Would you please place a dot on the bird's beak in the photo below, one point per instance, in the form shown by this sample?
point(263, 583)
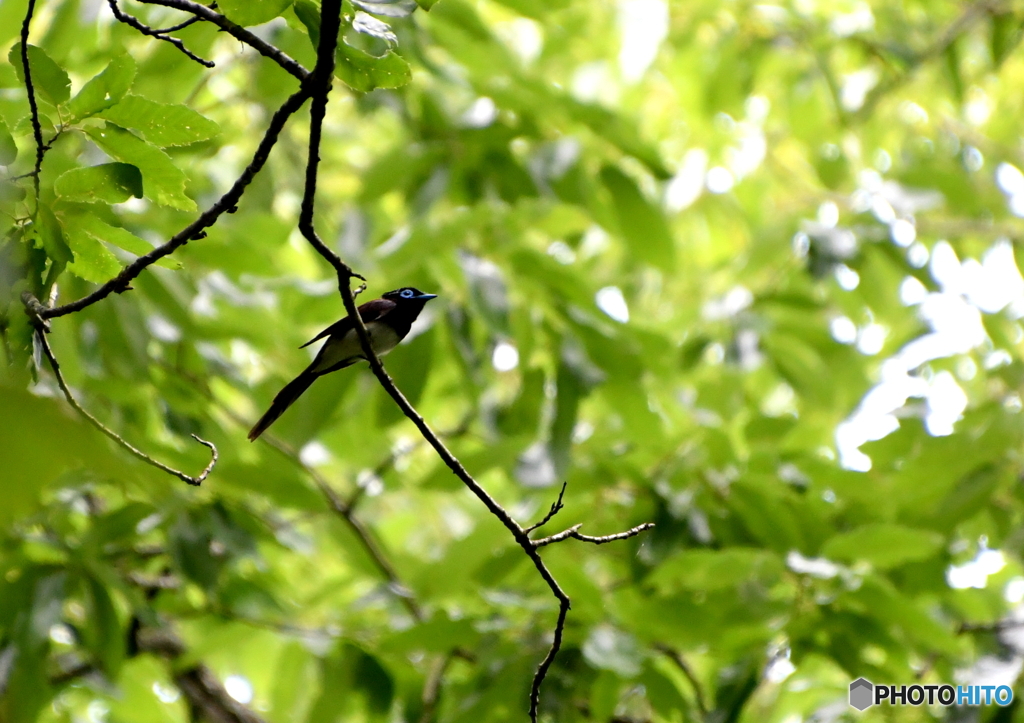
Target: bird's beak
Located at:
point(426, 297)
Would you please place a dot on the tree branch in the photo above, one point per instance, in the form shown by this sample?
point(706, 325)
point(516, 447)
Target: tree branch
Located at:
point(321, 82)
point(574, 533)
point(37, 129)
point(971, 14)
point(555, 507)
point(158, 34)
point(698, 691)
point(202, 12)
point(207, 698)
point(48, 352)
point(120, 283)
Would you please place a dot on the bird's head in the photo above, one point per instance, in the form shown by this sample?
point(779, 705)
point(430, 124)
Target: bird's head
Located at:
point(407, 294)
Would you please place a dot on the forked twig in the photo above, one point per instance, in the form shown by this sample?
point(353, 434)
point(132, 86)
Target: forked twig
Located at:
point(154, 33)
point(261, 46)
point(555, 507)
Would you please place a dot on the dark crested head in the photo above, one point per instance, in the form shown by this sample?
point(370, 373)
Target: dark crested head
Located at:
point(409, 293)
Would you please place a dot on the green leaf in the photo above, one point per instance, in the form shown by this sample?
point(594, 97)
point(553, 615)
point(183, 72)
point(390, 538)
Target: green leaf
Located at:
point(105, 90)
point(427, 4)
point(614, 128)
point(715, 569)
point(8, 149)
point(1005, 35)
point(308, 12)
point(437, 635)
point(34, 461)
point(93, 261)
point(109, 182)
point(253, 12)
point(883, 545)
point(51, 235)
point(608, 648)
point(374, 679)
point(364, 72)
point(12, 14)
point(120, 237)
point(48, 78)
point(641, 224)
point(105, 636)
point(163, 182)
point(161, 124)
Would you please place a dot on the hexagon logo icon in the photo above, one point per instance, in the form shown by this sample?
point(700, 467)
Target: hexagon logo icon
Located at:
point(861, 694)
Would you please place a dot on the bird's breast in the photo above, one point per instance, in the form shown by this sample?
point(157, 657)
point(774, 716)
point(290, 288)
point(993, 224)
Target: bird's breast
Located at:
point(341, 351)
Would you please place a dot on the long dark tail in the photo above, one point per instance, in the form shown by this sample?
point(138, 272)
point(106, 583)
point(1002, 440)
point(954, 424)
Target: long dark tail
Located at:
point(284, 399)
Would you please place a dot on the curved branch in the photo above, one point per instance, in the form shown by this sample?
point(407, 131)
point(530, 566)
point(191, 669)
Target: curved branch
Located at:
point(48, 352)
point(227, 202)
point(153, 33)
point(321, 81)
point(202, 12)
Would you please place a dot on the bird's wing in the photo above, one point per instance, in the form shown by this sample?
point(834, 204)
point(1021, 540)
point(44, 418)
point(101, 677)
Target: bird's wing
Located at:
point(370, 311)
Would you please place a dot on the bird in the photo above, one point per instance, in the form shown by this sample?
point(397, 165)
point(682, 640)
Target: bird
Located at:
point(387, 319)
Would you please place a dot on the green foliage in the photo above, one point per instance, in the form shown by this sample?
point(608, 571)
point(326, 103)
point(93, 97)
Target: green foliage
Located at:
point(695, 259)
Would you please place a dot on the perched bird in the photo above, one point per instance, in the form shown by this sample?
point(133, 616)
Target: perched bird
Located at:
point(388, 320)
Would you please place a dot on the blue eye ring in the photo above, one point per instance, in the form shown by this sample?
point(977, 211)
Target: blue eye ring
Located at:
point(407, 293)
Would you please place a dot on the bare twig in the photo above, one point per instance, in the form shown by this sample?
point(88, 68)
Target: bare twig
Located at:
point(182, 25)
point(574, 533)
point(261, 46)
point(48, 352)
point(154, 33)
point(555, 507)
point(37, 129)
point(121, 282)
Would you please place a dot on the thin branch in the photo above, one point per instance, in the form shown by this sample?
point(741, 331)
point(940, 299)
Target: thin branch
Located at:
point(345, 509)
point(370, 545)
point(555, 507)
point(182, 25)
point(392, 459)
point(574, 533)
point(971, 14)
point(432, 688)
point(158, 34)
point(322, 81)
point(48, 352)
point(204, 692)
point(37, 129)
point(121, 282)
point(698, 690)
point(237, 31)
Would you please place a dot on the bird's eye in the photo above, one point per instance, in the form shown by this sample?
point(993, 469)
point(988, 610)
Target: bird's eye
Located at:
point(406, 293)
